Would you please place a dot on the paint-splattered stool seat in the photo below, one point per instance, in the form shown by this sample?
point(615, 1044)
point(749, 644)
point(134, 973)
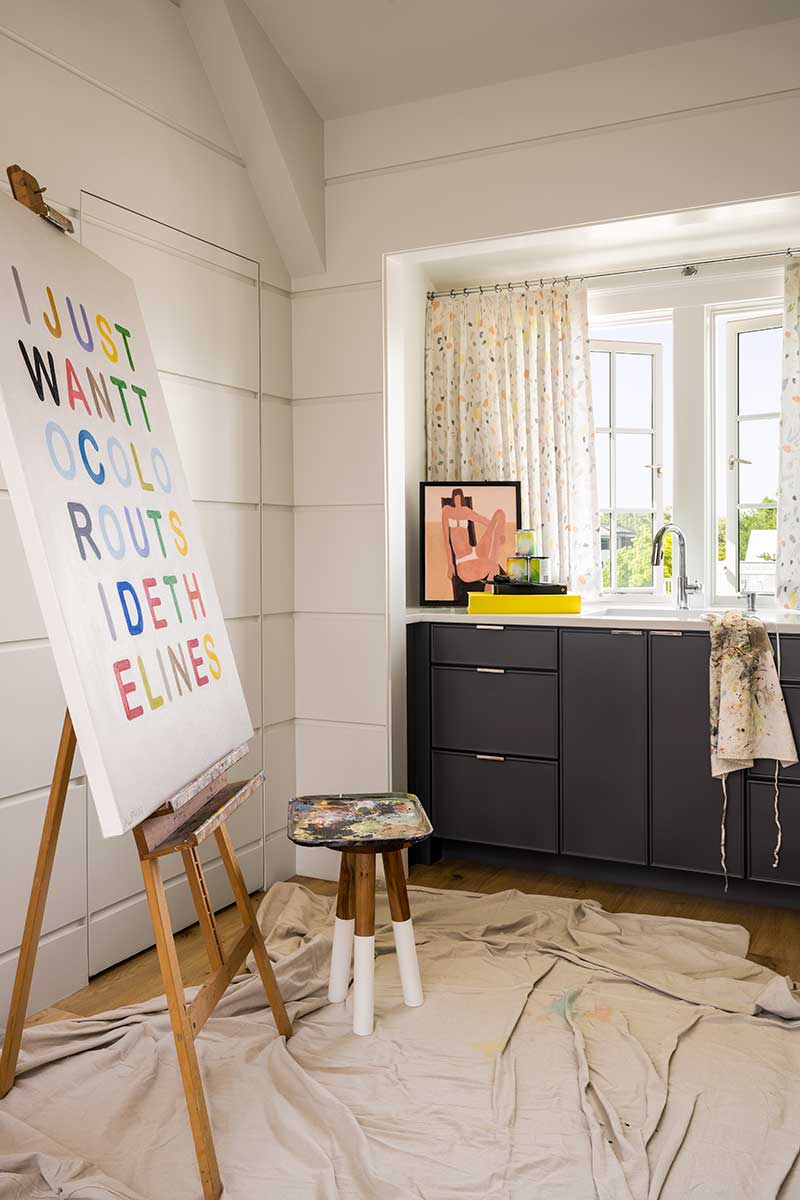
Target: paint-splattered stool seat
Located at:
point(361, 827)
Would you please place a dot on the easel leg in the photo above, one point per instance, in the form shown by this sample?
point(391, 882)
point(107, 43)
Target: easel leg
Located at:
point(36, 906)
point(203, 906)
point(248, 915)
point(181, 1027)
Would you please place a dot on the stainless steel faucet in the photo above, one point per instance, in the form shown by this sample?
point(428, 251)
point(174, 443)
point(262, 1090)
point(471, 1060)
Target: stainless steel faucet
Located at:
point(683, 585)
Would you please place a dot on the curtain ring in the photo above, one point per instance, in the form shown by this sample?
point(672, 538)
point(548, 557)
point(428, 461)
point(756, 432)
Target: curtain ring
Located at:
point(497, 287)
point(453, 293)
point(541, 283)
point(480, 288)
point(526, 285)
point(511, 287)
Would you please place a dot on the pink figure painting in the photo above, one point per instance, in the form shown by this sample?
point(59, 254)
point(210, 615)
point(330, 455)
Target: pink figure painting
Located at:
point(468, 533)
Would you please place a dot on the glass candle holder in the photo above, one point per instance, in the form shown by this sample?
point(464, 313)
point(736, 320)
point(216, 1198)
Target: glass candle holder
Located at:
point(525, 543)
point(517, 568)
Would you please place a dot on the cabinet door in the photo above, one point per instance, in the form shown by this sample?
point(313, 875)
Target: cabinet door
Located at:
point(685, 801)
point(604, 744)
point(762, 833)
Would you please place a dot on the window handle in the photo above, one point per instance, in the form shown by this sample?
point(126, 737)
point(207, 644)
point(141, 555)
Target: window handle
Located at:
point(657, 467)
point(733, 460)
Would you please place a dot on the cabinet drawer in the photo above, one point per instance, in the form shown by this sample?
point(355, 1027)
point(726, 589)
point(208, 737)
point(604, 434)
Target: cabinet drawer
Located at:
point(790, 656)
point(509, 802)
point(766, 766)
point(495, 711)
point(762, 833)
point(495, 646)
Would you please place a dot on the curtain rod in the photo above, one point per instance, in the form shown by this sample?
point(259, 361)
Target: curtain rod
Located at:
point(684, 268)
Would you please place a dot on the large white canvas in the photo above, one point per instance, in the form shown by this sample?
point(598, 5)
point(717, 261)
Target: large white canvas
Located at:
point(155, 696)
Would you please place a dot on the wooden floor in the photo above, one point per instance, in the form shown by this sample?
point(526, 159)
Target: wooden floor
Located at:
point(775, 932)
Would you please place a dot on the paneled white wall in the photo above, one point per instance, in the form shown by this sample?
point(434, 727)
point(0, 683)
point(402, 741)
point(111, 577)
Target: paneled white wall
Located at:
point(340, 573)
point(156, 143)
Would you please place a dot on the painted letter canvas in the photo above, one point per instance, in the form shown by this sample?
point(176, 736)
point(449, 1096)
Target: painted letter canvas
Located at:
point(109, 529)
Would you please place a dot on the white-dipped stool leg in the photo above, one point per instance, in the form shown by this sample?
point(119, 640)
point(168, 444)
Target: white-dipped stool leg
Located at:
point(364, 945)
point(407, 963)
point(403, 929)
point(364, 985)
point(341, 958)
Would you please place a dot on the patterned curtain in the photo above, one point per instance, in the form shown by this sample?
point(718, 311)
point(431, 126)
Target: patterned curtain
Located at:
point(508, 396)
point(787, 569)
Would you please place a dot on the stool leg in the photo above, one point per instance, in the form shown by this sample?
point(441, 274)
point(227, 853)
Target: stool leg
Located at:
point(364, 946)
point(342, 954)
point(403, 928)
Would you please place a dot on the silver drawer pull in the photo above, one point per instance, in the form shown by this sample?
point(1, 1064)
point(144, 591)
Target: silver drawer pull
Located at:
point(491, 670)
point(666, 633)
point(627, 632)
point(500, 627)
point(490, 757)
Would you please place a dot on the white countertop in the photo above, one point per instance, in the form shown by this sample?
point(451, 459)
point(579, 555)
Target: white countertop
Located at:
point(607, 615)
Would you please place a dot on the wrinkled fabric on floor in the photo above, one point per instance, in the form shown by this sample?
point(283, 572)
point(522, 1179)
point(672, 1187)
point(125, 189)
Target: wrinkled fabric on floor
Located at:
point(563, 1053)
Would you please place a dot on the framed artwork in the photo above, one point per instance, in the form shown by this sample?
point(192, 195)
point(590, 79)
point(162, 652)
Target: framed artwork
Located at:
point(466, 534)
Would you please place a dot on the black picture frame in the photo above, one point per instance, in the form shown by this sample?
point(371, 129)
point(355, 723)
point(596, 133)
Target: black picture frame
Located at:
point(461, 596)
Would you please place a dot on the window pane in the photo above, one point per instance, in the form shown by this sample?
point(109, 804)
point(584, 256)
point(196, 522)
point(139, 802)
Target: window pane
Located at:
point(760, 371)
point(604, 470)
point(758, 479)
point(634, 546)
point(605, 547)
point(633, 398)
point(632, 477)
point(601, 387)
point(758, 541)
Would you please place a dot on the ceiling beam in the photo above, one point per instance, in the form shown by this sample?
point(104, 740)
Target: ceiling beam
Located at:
point(276, 128)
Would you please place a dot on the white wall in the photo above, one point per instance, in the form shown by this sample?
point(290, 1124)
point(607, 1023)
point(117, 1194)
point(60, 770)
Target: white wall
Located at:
point(151, 138)
point(704, 124)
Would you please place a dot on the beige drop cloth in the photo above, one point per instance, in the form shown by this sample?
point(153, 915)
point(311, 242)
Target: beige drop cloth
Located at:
point(563, 1053)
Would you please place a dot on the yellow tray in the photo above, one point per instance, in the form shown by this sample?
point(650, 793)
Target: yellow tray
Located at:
point(482, 603)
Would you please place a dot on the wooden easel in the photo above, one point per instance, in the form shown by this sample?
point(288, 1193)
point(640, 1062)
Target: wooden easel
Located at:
point(181, 824)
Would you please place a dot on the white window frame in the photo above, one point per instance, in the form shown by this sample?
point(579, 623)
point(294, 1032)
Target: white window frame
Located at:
point(655, 349)
point(730, 458)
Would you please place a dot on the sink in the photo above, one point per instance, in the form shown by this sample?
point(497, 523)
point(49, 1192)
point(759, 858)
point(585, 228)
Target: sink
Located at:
point(662, 612)
point(652, 610)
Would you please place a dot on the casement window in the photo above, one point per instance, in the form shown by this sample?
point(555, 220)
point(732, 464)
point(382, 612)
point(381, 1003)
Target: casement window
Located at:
point(627, 386)
point(747, 386)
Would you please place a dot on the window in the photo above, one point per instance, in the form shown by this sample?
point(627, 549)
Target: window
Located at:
point(627, 398)
point(748, 394)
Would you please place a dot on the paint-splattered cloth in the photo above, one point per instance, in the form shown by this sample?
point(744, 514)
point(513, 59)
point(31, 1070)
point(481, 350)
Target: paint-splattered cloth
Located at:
point(562, 1053)
point(748, 717)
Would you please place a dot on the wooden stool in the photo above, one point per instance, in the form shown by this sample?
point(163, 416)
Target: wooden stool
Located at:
point(361, 827)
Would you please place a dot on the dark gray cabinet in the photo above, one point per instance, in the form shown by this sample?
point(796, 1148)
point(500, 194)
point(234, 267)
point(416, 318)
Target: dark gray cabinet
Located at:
point(604, 744)
point(593, 744)
point(685, 801)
